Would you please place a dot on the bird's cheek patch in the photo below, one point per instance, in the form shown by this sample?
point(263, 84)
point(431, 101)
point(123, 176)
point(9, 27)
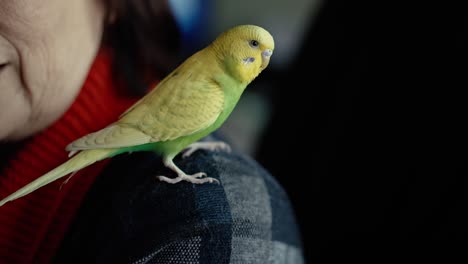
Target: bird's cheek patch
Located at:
point(248, 60)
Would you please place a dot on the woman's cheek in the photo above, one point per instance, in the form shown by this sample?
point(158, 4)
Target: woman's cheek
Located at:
point(15, 107)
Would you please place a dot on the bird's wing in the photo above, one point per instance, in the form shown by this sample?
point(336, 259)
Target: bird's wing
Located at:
point(181, 106)
point(113, 136)
point(185, 104)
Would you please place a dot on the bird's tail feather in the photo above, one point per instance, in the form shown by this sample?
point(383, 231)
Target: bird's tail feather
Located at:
point(79, 161)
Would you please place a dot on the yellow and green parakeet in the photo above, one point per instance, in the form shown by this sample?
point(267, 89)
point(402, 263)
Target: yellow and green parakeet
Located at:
point(190, 103)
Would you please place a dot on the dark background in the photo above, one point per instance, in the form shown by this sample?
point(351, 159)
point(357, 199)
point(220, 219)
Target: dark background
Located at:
point(362, 119)
point(368, 133)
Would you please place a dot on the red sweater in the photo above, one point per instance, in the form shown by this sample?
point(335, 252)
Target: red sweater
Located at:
point(32, 227)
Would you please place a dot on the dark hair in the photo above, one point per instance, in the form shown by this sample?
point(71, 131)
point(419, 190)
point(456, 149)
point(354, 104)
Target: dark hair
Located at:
point(144, 40)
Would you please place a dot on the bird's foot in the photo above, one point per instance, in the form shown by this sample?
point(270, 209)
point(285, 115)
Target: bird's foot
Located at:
point(212, 146)
point(196, 178)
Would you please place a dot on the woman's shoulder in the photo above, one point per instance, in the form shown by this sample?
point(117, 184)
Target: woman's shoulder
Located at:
point(130, 216)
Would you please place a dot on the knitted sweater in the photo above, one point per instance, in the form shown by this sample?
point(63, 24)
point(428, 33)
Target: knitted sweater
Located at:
point(32, 227)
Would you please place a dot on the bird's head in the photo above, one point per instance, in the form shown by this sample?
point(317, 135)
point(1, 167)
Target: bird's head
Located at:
point(245, 51)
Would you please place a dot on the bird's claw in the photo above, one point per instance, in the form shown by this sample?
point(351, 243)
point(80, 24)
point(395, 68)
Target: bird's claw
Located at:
point(197, 178)
point(188, 152)
point(223, 147)
point(212, 146)
point(198, 175)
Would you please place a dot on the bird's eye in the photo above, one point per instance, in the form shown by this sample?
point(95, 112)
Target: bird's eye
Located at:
point(254, 43)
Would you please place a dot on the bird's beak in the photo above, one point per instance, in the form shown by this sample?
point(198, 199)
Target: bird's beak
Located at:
point(266, 54)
